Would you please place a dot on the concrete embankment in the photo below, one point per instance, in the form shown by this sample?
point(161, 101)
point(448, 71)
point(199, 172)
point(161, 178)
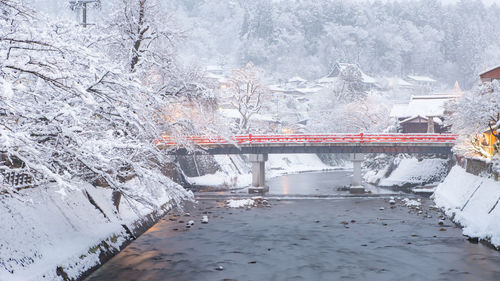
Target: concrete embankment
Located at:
point(55, 233)
point(473, 202)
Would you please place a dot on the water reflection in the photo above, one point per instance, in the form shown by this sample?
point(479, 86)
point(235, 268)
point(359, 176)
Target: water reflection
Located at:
point(285, 185)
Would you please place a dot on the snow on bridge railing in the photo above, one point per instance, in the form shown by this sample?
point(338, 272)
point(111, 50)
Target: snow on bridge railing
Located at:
point(314, 138)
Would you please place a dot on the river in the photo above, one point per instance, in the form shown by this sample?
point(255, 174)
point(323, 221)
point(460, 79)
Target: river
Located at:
point(308, 236)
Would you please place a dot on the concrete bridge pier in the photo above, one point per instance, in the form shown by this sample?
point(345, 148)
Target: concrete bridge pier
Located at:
point(258, 173)
point(357, 159)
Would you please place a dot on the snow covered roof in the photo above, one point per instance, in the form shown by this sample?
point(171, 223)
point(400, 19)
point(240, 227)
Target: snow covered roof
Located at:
point(413, 118)
point(217, 77)
point(327, 80)
point(399, 110)
point(422, 106)
point(368, 79)
point(435, 119)
point(297, 79)
point(489, 70)
point(309, 90)
point(396, 81)
point(233, 113)
point(276, 88)
point(435, 97)
point(421, 78)
point(214, 68)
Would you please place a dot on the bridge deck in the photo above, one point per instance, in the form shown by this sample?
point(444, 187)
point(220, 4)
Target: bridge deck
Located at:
point(317, 143)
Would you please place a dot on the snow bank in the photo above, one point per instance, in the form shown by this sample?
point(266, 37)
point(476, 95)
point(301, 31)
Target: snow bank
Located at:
point(235, 172)
point(413, 172)
point(69, 229)
point(280, 164)
point(473, 202)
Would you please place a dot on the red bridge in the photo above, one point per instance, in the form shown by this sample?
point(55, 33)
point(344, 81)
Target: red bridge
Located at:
point(259, 146)
point(314, 143)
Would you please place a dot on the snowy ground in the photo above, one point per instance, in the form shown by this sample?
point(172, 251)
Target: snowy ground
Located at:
point(235, 173)
point(412, 172)
point(61, 228)
point(473, 202)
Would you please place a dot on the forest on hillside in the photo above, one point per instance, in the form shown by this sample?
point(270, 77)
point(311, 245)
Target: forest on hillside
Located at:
point(448, 42)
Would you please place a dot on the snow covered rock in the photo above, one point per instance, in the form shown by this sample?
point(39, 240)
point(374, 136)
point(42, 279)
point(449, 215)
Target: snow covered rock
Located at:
point(239, 203)
point(412, 203)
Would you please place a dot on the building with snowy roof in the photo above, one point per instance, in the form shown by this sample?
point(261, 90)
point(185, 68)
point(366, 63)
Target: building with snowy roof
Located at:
point(367, 81)
point(490, 75)
point(423, 114)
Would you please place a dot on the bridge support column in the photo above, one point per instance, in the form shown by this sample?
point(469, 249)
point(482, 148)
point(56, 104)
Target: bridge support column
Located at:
point(258, 173)
point(357, 159)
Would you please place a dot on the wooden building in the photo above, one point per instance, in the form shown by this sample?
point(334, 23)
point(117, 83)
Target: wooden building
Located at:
point(490, 75)
point(423, 114)
point(421, 124)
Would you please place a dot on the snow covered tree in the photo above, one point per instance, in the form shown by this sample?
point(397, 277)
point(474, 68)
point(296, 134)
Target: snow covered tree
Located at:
point(369, 115)
point(349, 86)
point(247, 95)
point(71, 114)
point(146, 37)
point(472, 114)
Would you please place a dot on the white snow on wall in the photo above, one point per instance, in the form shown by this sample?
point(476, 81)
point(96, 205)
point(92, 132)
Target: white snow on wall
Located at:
point(473, 202)
point(57, 227)
point(412, 171)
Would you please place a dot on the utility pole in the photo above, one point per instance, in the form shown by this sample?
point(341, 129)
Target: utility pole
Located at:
point(83, 4)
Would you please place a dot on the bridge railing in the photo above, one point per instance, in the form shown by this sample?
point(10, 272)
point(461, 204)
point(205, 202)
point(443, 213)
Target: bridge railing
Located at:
point(314, 138)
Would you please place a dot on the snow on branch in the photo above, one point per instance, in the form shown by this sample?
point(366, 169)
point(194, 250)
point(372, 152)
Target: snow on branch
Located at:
point(71, 111)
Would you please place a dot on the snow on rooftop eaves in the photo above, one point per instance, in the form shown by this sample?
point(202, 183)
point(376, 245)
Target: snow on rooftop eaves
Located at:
point(367, 79)
point(434, 97)
point(421, 105)
point(214, 68)
point(297, 79)
point(413, 117)
point(399, 110)
point(396, 81)
point(218, 77)
point(421, 78)
point(489, 70)
point(275, 88)
point(309, 90)
point(234, 113)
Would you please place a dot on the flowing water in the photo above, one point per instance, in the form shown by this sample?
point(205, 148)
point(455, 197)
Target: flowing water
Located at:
point(305, 238)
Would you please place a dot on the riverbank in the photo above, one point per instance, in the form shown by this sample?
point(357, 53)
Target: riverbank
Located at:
point(235, 173)
point(472, 202)
point(61, 234)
